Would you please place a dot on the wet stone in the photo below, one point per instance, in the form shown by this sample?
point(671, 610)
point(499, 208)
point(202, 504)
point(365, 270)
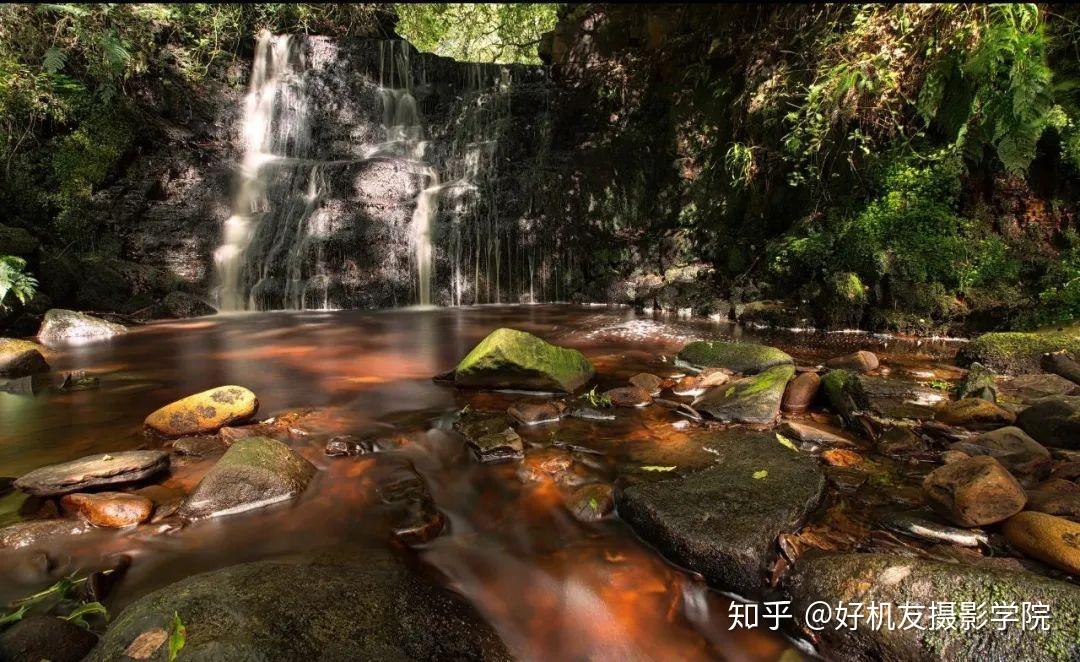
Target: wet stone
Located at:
point(974, 491)
point(814, 434)
point(801, 392)
point(205, 412)
point(629, 396)
point(512, 359)
point(650, 383)
point(1029, 388)
point(499, 446)
point(753, 399)
point(198, 446)
point(591, 503)
point(536, 413)
point(349, 445)
point(860, 361)
point(978, 383)
point(1021, 454)
point(93, 471)
point(19, 358)
point(591, 414)
point(901, 441)
point(544, 463)
point(41, 532)
point(166, 500)
point(744, 358)
point(109, 509)
point(1052, 540)
point(975, 413)
point(64, 326)
point(1061, 504)
point(40, 637)
point(1053, 421)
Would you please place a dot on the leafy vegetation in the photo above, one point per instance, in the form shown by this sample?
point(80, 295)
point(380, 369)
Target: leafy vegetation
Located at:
point(493, 32)
point(66, 599)
point(14, 281)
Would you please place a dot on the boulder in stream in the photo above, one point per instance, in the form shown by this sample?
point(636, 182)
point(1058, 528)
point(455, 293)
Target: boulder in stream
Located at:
point(1053, 540)
point(40, 532)
point(64, 326)
point(860, 361)
point(978, 383)
point(1012, 447)
point(648, 381)
point(1053, 421)
point(254, 472)
point(345, 604)
point(885, 579)
point(974, 491)
point(629, 396)
point(754, 399)
point(93, 471)
point(512, 359)
point(205, 412)
point(109, 509)
point(41, 637)
point(723, 521)
point(975, 413)
point(743, 357)
point(801, 392)
point(19, 358)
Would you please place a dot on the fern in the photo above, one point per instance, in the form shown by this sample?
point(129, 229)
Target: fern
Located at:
point(15, 281)
point(54, 60)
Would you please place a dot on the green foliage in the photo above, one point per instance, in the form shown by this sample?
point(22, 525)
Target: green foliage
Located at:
point(494, 32)
point(597, 400)
point(177, 636)
point(15, 281)
point(66, 599)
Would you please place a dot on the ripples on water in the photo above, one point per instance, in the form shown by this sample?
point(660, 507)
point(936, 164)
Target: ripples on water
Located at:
point(553, 587)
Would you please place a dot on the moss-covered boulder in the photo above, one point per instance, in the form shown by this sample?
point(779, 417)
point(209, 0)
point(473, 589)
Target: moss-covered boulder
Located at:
point(204, 412)
point(512, 359)
point(254, 472)
point(723, 521)
point(845, 393)
point(897, 580)
point(348, 604)
point(1018, 352)
point(747, 358)
point(978, 383)
point(19, 358)
point(754, 399)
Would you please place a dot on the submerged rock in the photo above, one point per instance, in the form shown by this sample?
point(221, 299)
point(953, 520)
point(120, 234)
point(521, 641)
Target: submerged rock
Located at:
point(109, 509)
point(974, 491)
point(535, 413)
point(723, 521)
point(205, 412)
point(19, 358)
point(801, 392)
point(254, 472)
point(1053, 540)
point(198, 446)
point(860, 361)
point(349, 604)
point(753, 399)
point(629, 396)
point(498, 446)
point(62, 326)
point(591, 503)
point(93, 471)
point(511, 359)
point(1053, 421)
point(814, 434)
point(975, 413)
point(742, 357)
point(897, 580)
point(649, 382)
point(900, 441)
point(40, 637)
point(31, 534)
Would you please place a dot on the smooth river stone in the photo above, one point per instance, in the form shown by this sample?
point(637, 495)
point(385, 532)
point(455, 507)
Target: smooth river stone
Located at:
point(975, 413)
point(93, 471)
point(860, 361)
point(651, 383)
point(109, 509)
point(29, 534)
point(254, 472)
point(629, 396)
point(19, 358)
point(205, 412)
point(63, 326)
point(974, 491)
point(1052, 540)
point(800, 392)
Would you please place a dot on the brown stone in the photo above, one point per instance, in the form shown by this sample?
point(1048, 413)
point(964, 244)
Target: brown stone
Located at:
point(591, 503)
point(948, 457)
point(1062, 504)
point(205, 412)
point(19, 358)
point(109, 509)
point(1021, 454)
point(839, 457)
point(860, 361)
point(975, 413)
point(974, 492)
point(535, 413)
point(900, 441)
point(650, 383)
point(1053, 540)
point(800, 392)
point(93, 471)
point(629, 396)
point(817, 433)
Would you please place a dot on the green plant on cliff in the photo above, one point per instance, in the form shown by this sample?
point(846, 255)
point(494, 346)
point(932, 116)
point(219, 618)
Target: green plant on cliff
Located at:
point(15, 283)
point(493, 32)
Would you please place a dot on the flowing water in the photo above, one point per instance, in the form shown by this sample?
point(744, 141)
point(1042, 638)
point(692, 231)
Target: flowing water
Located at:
point(553, 587)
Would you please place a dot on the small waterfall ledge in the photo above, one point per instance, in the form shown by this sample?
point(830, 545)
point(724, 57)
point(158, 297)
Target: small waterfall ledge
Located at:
point(373, 175)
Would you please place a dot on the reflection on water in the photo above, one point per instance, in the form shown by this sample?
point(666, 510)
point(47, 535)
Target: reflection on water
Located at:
point(553, 587)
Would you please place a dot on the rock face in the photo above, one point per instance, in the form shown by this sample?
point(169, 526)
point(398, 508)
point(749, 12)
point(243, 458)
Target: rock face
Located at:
point(1053, 421)
point(896, 580)
point(723, 521)
point(109, 509)
point(511, 359)
point(93, 471)
point(860, 361)
point(974, 491)
point(753, 399)
point(801, 392)
point(41, 637)
point(63, 326)
point(179, 305)
point(204, 412)
point(975, 413)
point(254, 472)
point(743, 357)
point(342, 605)
point(19, 358)
point(1052, 540)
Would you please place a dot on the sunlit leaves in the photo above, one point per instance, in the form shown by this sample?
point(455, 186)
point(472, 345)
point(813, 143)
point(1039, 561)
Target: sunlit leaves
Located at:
point(490, 32)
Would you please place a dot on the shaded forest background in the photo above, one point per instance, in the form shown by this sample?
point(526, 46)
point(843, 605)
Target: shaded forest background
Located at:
point(907, 167)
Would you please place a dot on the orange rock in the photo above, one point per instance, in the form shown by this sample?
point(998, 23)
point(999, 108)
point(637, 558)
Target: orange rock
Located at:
point(109, 509)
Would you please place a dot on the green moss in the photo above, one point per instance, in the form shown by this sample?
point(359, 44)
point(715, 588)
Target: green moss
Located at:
point(1018, 352)
point(746, 358)
point(844, 392)
point(508, 358)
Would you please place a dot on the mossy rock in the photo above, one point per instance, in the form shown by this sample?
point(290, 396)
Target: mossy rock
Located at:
point(747, 358)
point(512, 359)
point(978, 383)
point(896, 580)
point(845, 393)
point(1018, 352)
point(754, 399)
